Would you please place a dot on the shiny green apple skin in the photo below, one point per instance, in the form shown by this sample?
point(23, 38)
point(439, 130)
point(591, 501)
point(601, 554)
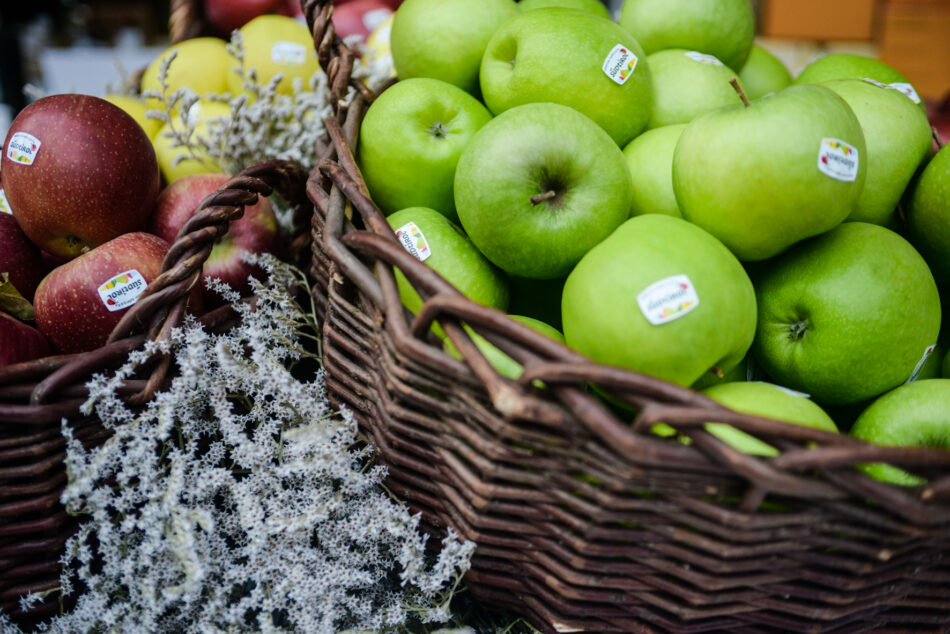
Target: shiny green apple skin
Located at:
point(851, 66)
point(684, 88)
point(603, 320)
point(650, 160)
point(445, 39)
point(410, 142)
point(928, 214)
point(763, 73)
point(591, 6)
point(847, 315)
point(913, 415)
point(897, 136)
point(750, 175)
point(528, 151)
point(724, 28)
point(454, 257)
point(557, 55)
point(768, 401)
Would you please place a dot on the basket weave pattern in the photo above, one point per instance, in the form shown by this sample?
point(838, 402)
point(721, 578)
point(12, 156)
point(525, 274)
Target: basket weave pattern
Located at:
point(584, 521)
point(36, 396)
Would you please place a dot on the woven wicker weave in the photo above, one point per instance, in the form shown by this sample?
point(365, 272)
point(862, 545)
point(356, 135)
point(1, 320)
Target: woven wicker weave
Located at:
point(36, 396)
point(585, 522)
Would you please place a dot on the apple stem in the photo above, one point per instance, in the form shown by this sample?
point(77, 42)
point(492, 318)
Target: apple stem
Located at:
point(936, 136)
point(735, 85)
point(540, 198)
point(718, 372)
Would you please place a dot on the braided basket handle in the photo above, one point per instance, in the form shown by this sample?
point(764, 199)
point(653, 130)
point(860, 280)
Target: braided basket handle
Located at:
point(161, 308)
point(184, 20)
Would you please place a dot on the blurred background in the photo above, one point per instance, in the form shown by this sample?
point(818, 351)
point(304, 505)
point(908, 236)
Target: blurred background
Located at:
point(96, 46)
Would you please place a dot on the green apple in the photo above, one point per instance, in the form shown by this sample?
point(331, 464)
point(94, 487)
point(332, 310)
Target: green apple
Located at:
point(687, 84)
point(847, 315)
point(851, 66)
point(768, 401)
point(897, 136)
point(573, 58)
point(662, 297)
point(445, 39)
point(650, 160)
point(913, 415)
point(503, 364)
point(431, 238)
point(928, 214)
point(410, 142)
point(723, 28)
point(591, 6)
point(763, 73)
point(540, 185)
point(717, 377)
point(763, 177)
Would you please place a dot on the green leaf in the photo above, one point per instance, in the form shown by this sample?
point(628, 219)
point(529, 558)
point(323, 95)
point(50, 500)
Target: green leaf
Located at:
point(12, 302)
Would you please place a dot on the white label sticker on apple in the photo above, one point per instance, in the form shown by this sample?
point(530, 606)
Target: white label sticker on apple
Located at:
point(23, 148)
point(703, 58)
point(123, 290)
point(920, 364)
point(668, 299)
point(907, 89)
point(412, 240)
point(620, 64)
point(288, 53)
point(4, 205)
point(372, 19)
point(880, 84)
point(838, 159)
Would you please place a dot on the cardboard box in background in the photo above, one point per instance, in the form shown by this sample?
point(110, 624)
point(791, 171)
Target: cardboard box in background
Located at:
point(915, 39)
point(820, 20)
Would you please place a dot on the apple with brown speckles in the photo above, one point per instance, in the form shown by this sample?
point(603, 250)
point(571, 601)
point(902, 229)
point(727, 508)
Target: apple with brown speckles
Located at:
point(79, 303)
point(78, 171)
point(19, 257)
point(256, 231)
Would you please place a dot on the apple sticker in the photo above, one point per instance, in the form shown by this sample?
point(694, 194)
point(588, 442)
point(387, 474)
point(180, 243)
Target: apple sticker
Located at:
point(413, 241)
point(668, 299)
point(620, 64)
point(4, 205)
point(123, 290)
point(838, 159)
point(23, 148)
point(703, 58)
point(288, 53)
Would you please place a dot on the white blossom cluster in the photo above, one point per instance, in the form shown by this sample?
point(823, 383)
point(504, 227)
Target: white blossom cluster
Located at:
point(236, 500)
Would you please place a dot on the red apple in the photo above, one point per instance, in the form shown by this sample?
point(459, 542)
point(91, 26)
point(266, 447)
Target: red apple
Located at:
point(359, 17)
point(19, 257)
point(78, 172)
point(19, 342)
point(79, 303)
point(226, 15)
point(256, 231)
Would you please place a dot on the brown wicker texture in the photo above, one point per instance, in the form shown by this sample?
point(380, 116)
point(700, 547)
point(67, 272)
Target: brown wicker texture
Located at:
point(185, 20)
point(36, 396)
point(584, 521)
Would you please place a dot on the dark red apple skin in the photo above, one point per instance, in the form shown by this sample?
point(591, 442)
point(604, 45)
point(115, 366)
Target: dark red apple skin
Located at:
point(20, 342)
point(256, 231)
point(226, 15)
point(68, 308)
point(348, 17)
point(19, 257)
point(94, 176)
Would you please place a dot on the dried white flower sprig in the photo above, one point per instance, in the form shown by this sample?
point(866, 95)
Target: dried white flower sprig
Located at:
point(238, 501)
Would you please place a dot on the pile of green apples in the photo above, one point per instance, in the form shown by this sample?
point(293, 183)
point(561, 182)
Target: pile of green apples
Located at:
point(662, 190)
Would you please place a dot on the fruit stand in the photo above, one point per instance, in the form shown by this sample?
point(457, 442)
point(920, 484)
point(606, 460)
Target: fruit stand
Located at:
point(742, 426)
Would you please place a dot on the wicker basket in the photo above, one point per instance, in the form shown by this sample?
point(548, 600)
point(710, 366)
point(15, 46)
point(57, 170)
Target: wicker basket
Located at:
point(36, 396)
point(583, 521)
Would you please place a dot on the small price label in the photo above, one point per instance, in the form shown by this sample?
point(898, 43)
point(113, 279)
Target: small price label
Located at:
point(288, 53)
point(929, 350)
point(620, 64)
point(4, 205)
point(23, 148)
point(703, 58)
point(413, 241)
point(838, 159)
point(123, 290)
point(668, 300)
